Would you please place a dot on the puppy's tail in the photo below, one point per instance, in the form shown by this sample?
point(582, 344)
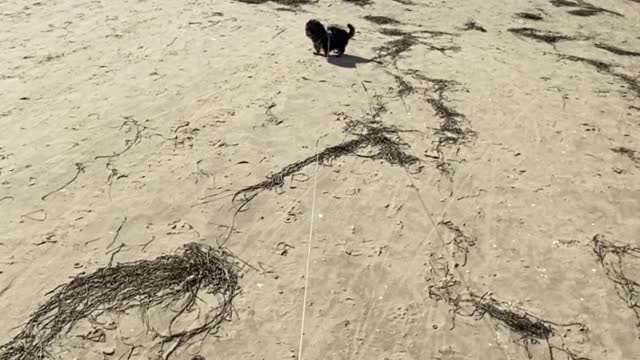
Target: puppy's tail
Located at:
point(352, 30)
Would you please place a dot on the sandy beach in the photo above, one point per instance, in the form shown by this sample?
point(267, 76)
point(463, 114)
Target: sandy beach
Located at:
point(462, 184)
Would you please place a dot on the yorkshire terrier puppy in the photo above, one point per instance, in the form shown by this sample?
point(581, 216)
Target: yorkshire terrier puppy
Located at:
point(332, 38)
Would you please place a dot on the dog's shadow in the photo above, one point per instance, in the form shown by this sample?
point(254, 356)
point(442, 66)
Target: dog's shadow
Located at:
point(350, 61)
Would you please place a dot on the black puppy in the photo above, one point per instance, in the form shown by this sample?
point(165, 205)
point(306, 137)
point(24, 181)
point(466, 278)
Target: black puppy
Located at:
point(331, 38)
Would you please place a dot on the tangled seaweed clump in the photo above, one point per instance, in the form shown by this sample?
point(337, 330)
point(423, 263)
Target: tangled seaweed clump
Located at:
point(517, 320)
point(612, 258)
point(166, 280)
point(394, 48)
point(371, 135)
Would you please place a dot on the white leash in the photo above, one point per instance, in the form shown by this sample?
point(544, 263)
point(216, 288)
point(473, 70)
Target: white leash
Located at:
point(328, 43)
point(306, 274)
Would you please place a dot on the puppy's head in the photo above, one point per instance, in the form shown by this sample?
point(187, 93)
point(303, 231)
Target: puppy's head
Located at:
point(314, 29)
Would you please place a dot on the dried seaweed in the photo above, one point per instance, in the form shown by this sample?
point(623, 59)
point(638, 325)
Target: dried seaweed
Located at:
point(612, 257)
point(384, 139)
point(290, 3)
point(445, 285)
point(128, 124)
point(518, 321)
point(601, 66)
point(632, 83)
point(166, 280)
point(30, 216)
point(587, 6)
point(394, 48)
point(584, 8)
point(79, 170)
point(381, 20)
point(617, 50)
point(392, 32)
point(564, 3)
point(359, 2)
point(584, 12)
point(451, 130)
point(630, 153)
point(454, 129)
point(529, 16)
point(117, 232)
point(404, 88)
point(473, 25)
point(548, 37)
point(434, 33)
point(529, 328)
point(461, 241)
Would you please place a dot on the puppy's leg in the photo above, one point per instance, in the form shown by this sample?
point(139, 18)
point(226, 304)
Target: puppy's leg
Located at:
point(341, 51)
point(325, 49)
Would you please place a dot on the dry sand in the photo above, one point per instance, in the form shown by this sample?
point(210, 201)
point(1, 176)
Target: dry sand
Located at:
point(153, 107)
